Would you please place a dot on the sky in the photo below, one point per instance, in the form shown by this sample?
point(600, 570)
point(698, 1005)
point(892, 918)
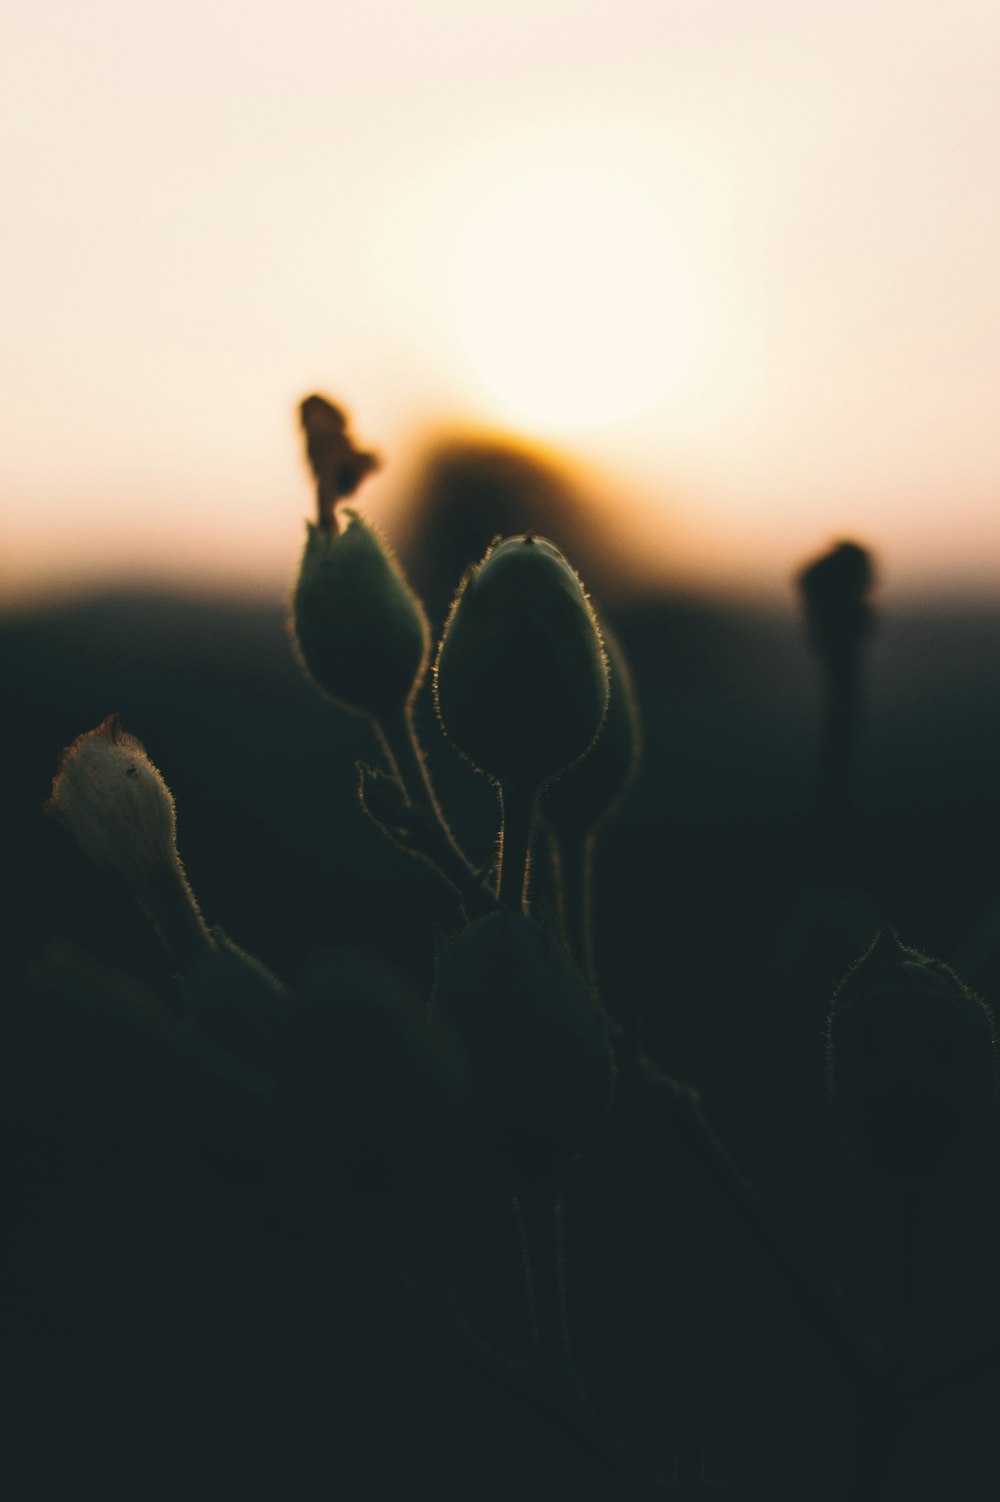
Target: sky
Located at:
point(736, 264)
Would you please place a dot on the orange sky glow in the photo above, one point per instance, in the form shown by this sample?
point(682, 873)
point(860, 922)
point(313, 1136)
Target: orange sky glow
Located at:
point(736, 264)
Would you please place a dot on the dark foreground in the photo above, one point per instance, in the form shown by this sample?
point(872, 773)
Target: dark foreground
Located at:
point(179, 1319)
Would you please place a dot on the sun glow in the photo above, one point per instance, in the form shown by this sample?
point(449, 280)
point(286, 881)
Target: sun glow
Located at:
point(574, 299)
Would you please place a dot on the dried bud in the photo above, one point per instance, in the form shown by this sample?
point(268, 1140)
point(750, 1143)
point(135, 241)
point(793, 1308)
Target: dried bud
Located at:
point(337, 465)
point(521, 679)
point(117, 805)
point(361, 632)
point(543, 1068)
point(910, 1058)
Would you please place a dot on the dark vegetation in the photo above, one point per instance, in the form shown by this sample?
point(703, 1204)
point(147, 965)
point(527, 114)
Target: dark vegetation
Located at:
point(402, 1228)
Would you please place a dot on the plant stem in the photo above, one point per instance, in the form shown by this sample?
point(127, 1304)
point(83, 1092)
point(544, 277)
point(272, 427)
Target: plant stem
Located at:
point(838, 742)
point(170, 906)
point(408, 764)
point(517, 808)
point(576, 882)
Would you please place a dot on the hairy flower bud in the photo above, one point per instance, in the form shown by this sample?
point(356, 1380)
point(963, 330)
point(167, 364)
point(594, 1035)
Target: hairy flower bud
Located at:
point(361, 632)
point(521, 678)
point(910, 1057)
point(108, 793)
point(543, 1069)
point(592, 789)
point(117, 805)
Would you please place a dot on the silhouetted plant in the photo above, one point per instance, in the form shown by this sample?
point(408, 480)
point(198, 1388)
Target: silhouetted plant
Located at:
point(503, 1158)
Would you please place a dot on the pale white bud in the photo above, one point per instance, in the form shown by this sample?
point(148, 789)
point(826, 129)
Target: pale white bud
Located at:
point(108, 793)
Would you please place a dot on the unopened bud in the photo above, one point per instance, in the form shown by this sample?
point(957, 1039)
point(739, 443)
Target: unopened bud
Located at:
point(592, 789)
point(910, 1057)
point(521, 678)
point(108, 793)
point(361, 632)
point(543, 1068)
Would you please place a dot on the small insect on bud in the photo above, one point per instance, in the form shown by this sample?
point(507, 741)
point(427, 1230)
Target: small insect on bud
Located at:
point(361, 632)
point(521, 678)
point(543, 1070)
point(910, 1059)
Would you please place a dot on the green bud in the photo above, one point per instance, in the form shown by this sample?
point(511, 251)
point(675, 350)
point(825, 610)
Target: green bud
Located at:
point(361, 632)
point(521, 680)
point(543, 1068)
point(910, 1059)
point(592, 789)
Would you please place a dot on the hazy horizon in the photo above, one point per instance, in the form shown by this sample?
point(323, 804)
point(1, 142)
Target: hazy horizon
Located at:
point(735, 267)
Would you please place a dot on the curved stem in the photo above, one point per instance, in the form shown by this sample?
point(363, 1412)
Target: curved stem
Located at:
point(404, 753)
point(171, 908)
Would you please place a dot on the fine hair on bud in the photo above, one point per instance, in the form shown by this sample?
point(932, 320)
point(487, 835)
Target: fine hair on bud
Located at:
point(360, 631)
point(521, 680)
point(116, 804)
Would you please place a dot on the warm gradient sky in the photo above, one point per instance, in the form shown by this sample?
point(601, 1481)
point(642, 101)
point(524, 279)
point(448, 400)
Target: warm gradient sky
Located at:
point(739, 258)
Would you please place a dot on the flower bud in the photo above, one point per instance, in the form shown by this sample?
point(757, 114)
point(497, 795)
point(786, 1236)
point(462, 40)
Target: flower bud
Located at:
point(521, 679)
point(116, 804)
point(910, 1059)
point(543, 1068)
point(590, 791)
point(361, 632)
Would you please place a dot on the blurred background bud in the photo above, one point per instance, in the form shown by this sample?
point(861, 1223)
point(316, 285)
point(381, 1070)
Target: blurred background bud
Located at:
point(521, 678)
point(543, 1067)
point(361, 632)
point(835, 592)
point(910, 1059)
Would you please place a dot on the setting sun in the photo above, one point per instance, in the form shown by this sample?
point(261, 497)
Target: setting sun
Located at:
point(574, 299)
